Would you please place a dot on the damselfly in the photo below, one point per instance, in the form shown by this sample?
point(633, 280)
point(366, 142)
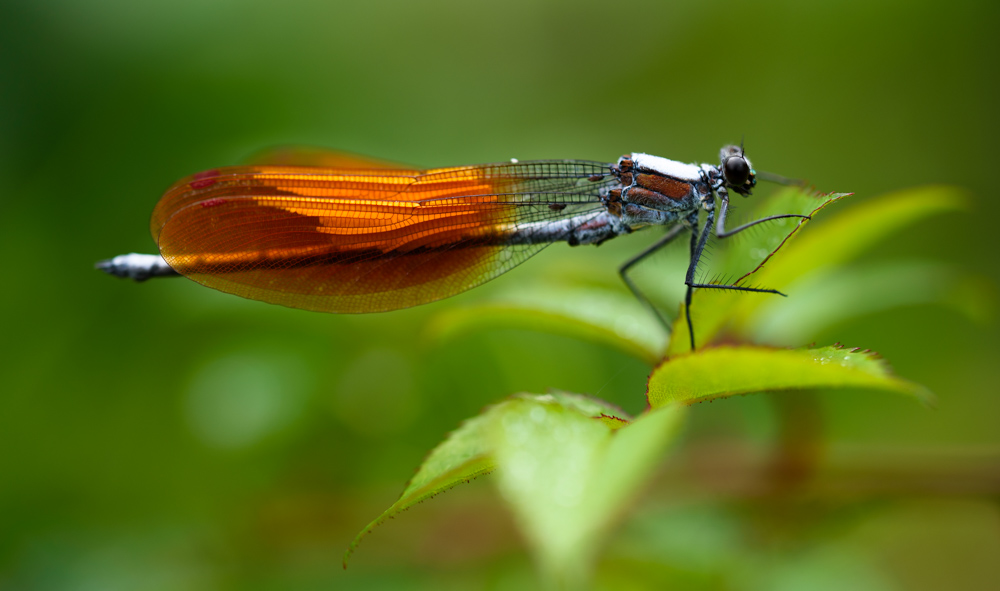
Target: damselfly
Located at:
point(338, 233)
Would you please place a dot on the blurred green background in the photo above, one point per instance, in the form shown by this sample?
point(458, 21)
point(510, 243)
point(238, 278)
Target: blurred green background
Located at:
point(165, 436)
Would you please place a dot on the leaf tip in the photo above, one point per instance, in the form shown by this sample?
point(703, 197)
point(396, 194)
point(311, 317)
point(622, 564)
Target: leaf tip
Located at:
point(351, 548)
point(926, 397)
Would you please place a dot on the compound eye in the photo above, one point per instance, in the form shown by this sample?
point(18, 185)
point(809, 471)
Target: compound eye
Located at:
point(737, 171)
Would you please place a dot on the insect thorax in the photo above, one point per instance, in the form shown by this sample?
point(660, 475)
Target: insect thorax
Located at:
point(656, 191)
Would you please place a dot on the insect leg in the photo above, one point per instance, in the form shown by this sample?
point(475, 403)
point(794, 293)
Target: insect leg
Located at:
point(720, 228)
point(697, 247)
point(696, 251)
point(623, 271)
point(721, 232)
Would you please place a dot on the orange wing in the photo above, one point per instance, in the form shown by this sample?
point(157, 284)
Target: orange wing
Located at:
point(365, 239)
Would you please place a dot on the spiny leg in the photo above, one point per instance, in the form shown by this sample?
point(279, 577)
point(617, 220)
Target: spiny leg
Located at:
point(697, 247)
point(624, 269)
point(721, 232)
point(720, 228)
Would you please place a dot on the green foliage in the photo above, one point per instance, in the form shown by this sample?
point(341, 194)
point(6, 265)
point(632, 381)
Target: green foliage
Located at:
point(468, 451)
point(858, 229)
point(832, 295)
point(613, 318)
point(566, 477)
point(821, 258)
point(567, 464)
point(717, 372)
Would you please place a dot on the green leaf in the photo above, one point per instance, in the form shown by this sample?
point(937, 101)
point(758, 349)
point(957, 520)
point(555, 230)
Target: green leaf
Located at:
point(632, 452)
point(725, 371)
point(567, 477)
point(855, 230)
point(832, 295)
point(462, 456)
point(467, 452)
point(844, 238)
point(838, 240)
point(613, 318)
point(753, 248)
